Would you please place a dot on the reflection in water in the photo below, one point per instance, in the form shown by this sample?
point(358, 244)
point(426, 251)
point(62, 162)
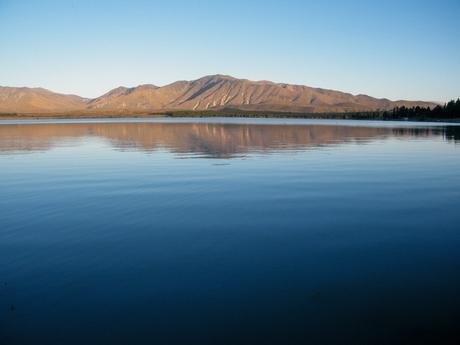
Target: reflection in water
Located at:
point(208, 139)
point(452, 133)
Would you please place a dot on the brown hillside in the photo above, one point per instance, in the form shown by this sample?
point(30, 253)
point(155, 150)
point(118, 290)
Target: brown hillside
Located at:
point(208, 93)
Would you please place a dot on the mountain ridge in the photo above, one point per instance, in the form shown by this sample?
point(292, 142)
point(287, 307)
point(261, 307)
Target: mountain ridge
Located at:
point(213, 92)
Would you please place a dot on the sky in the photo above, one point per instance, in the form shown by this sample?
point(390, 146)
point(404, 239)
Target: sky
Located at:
point(394, 49)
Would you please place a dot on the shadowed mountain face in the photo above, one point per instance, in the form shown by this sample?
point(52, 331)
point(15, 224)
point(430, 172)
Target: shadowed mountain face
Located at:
point(208, 93)
point(212, 140)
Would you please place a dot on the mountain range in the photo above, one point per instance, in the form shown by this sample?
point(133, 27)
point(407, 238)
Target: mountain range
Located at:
point(216, 92)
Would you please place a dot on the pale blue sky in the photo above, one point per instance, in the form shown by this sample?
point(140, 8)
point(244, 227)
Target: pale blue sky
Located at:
point(395, 49)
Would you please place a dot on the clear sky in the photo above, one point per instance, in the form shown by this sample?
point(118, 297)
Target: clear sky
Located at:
point(396, 49)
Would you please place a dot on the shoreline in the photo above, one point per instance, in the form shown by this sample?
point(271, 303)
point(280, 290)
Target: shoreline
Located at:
point(186, 114)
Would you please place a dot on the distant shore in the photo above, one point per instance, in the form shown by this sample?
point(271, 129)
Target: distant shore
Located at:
point(75, 116)
point(223, 114)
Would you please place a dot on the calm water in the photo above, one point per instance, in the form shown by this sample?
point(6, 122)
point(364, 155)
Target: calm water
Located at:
point(229, 232)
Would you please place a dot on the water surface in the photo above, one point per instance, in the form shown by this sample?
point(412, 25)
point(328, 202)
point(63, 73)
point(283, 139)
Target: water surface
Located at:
point(197, 231)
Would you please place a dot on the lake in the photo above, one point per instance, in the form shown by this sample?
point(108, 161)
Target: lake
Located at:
point(229, 231)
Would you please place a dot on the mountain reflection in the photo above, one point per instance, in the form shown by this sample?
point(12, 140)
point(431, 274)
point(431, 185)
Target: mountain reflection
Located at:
point(214, 140)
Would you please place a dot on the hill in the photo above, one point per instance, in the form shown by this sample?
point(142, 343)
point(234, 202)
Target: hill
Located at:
point(216, 92)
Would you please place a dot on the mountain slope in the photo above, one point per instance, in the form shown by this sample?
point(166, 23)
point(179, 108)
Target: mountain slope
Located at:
point(37, 100)
point(208, 93)
point(219, 92)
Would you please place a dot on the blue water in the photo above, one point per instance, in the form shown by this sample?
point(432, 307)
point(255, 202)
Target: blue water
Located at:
point(215, 231)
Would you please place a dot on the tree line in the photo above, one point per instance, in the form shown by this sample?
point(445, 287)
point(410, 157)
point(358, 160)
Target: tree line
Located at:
point(450, 110)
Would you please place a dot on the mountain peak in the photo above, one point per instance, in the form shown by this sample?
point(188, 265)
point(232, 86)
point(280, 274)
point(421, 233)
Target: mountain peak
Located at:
point(215, 77)
point(146, 87)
